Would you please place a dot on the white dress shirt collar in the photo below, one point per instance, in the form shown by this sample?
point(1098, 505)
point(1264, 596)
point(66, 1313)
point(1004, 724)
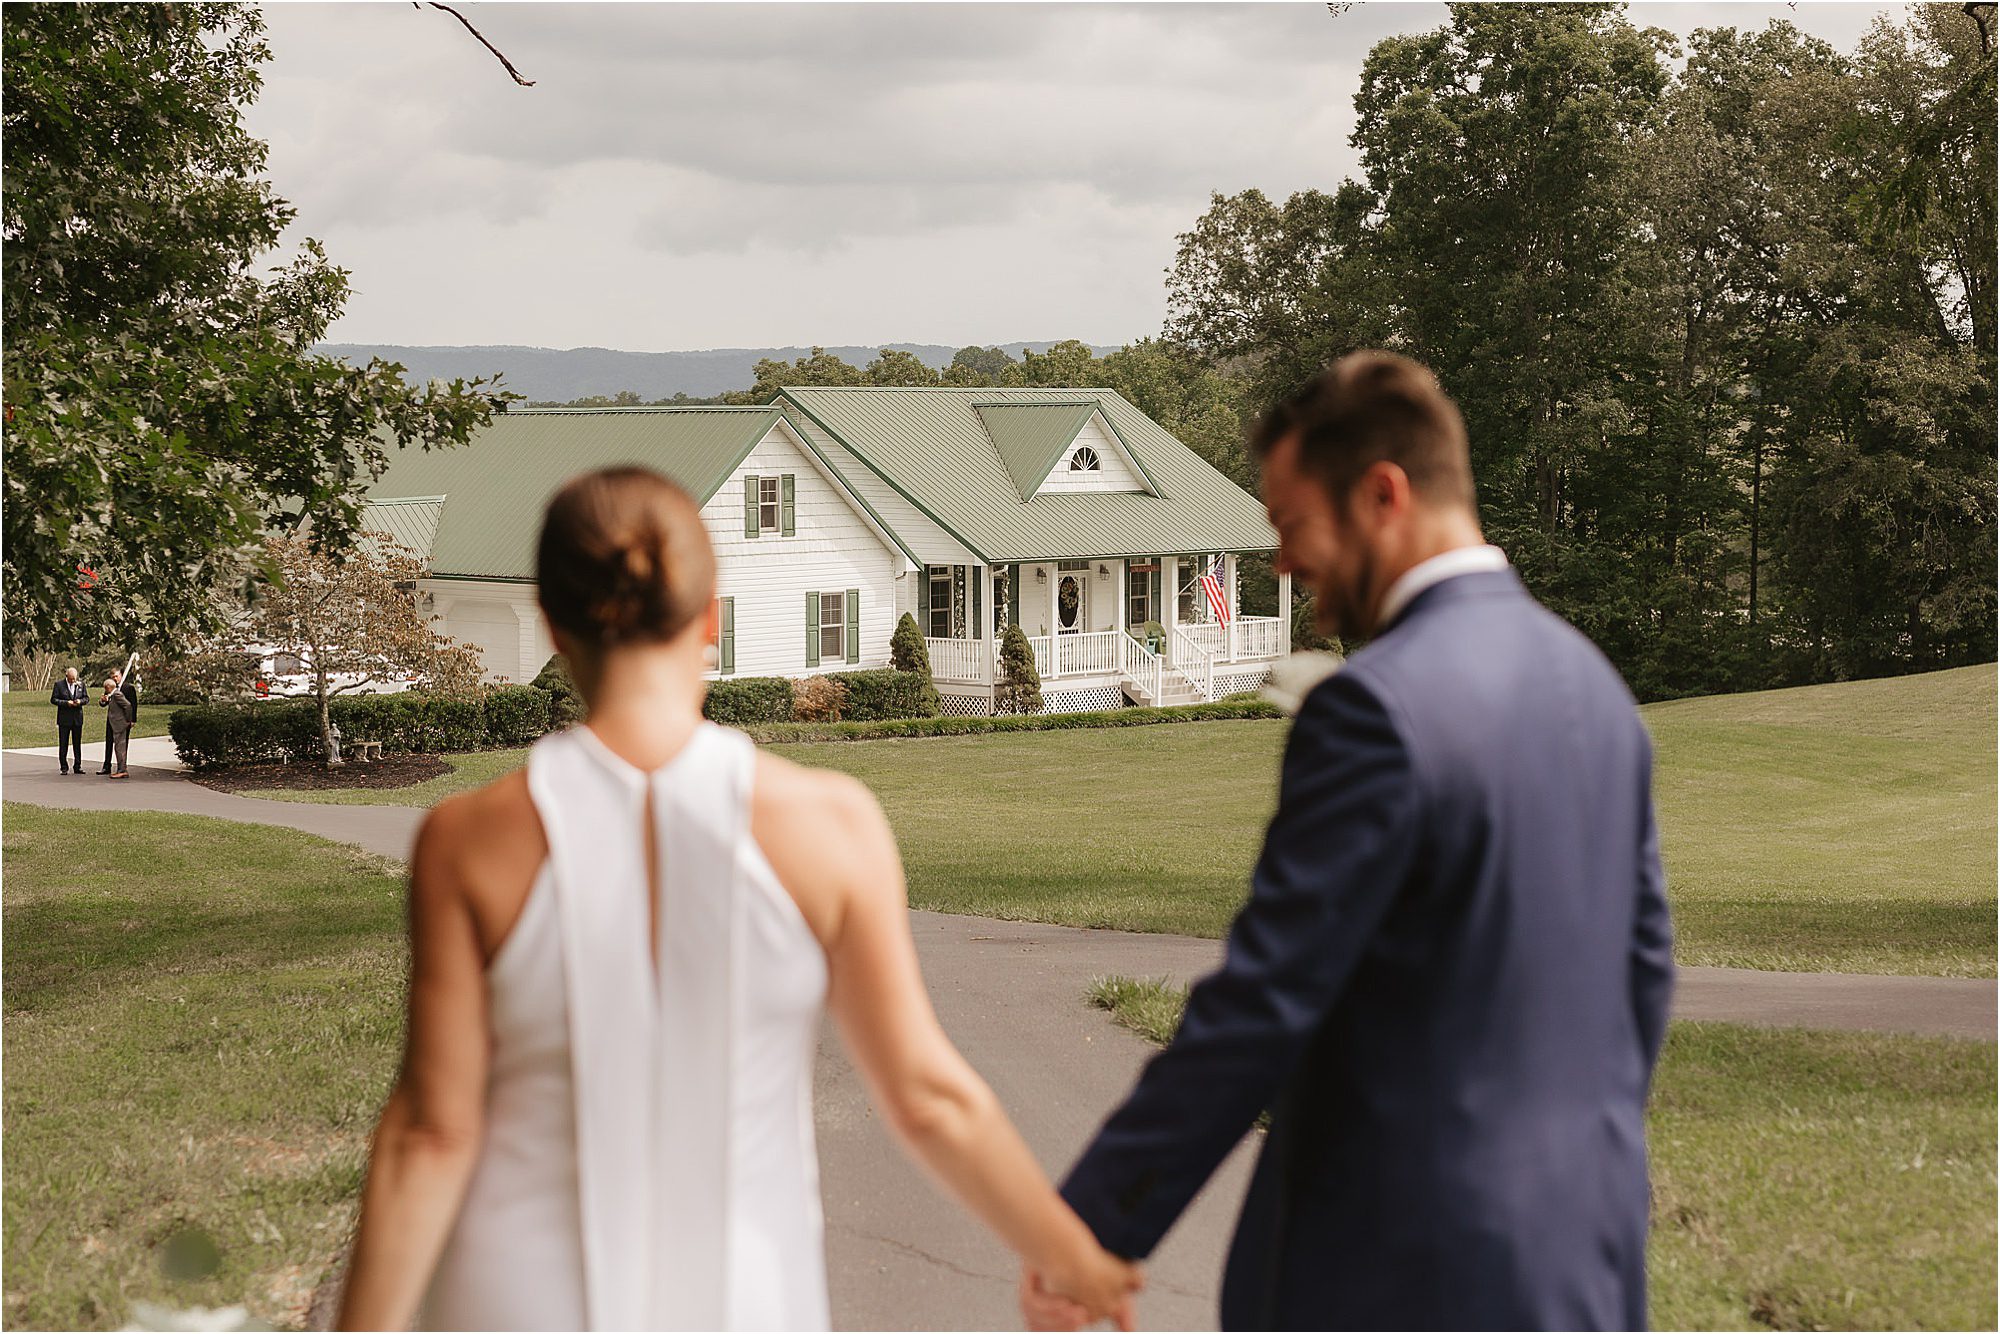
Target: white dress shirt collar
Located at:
point(1445, 565)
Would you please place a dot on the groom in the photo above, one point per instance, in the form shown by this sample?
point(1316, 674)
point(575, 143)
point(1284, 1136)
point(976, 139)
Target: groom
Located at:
point(1450, 982)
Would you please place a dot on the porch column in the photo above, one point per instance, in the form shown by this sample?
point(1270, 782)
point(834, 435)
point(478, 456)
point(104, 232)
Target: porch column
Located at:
point(1170, 598)
point(1121, 582)
point(1229, 600)
point(1285, 610)
point(1055, 625)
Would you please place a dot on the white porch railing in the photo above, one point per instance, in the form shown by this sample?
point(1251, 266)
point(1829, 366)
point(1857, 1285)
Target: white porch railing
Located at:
point(1254, 636)
point(1092, 654)
point(961, 660)
point(1142, 667)
point(1194, 662)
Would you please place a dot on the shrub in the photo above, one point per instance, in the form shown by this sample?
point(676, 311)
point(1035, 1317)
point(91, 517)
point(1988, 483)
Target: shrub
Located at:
point(516, 715)
point(565, 704)
point(748, 699)
point(1220, 711)
point(818, 699)
point(909, 653)
point(210, 734)
point(886, 693)
point(1020, 688)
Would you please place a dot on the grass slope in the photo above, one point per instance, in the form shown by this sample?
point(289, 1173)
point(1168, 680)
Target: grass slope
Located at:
point(1801, 1180)
point(1841, 828)
point(201, 1021)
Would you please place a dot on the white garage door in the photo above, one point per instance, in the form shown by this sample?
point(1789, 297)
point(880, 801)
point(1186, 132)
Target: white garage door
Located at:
point(492, 628)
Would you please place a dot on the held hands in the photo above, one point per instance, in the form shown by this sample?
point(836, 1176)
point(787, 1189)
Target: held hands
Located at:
point(1101, 1287)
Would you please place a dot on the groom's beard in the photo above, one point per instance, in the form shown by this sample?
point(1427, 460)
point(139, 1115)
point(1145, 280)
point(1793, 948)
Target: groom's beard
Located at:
point(1341, 609)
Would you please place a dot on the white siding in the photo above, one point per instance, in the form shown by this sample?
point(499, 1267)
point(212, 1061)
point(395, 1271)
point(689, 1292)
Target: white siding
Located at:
point(1114, 471)
point(769, 575)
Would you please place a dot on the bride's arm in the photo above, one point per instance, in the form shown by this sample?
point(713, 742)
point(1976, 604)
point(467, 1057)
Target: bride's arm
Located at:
point(428, 1139)
point(827, 838)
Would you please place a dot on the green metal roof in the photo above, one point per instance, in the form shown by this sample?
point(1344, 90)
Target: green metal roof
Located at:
point(935, 447)
point(1030, 437)
point(409, 520)
point(496, 487)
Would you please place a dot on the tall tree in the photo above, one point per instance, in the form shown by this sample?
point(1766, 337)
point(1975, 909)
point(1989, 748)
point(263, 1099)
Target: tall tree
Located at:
point(163, 407)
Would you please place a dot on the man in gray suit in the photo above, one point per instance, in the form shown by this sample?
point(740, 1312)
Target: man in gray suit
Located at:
point(119, 712)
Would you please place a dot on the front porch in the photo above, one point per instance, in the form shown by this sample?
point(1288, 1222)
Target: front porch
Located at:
point(1102, 632)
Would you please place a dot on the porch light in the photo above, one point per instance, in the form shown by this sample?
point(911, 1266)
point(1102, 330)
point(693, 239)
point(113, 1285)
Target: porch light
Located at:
point(1103, 571)
point(1041, 574)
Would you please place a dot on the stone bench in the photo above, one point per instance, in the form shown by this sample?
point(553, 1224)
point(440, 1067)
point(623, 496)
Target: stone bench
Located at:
point(365, 750)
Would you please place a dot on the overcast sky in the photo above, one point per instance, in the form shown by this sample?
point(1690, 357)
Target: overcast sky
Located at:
point(693, 176)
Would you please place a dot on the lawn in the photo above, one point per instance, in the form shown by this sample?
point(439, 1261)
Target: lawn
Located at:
point(1801, 1180)
point(201, 1019)
point(28, 719)
point(1842, 828)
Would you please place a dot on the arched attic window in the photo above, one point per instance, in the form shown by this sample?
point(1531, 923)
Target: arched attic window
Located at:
point(1084, 460)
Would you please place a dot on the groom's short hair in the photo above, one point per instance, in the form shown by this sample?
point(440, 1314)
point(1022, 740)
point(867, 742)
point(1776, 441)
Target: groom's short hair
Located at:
point(1371, 407)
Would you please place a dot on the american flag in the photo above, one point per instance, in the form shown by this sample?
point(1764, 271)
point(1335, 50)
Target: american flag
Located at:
point(1211, 586)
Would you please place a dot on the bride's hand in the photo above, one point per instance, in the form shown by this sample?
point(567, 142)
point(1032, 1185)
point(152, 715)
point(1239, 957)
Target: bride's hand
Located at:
point(1095, 1282)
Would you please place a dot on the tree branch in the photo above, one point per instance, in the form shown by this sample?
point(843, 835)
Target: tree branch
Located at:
point(1973, 10)
point(525, 83)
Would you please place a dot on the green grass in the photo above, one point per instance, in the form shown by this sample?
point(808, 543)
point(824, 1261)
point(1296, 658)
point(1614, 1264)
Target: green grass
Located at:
point(201, 1018)
point(28, 719)
point(1845, 828)
point(1801, 1180)
point(1842, 828)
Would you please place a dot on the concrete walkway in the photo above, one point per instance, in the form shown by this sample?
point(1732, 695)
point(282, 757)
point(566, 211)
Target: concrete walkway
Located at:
point(1010, 994)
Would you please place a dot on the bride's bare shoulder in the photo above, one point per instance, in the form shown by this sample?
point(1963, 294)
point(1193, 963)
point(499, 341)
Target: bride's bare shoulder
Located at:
point(825, 836)
point(469, 835)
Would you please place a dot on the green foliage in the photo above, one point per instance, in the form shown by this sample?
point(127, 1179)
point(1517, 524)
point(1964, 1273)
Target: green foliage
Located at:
point(819, 369)
point(909, 653)
point(164, 408)
point(1020, 687)
point(1723, 338)
point(516, 715)
point(412, 721)
point(738, 700)
point(886, 693)
point(565, 704)
point(897, 367)
point(974, 366)
point(1230, 710)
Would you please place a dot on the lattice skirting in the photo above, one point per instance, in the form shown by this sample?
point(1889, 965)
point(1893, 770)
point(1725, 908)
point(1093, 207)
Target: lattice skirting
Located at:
point(1087, 700)
point(1240, 681)
point(965, 706)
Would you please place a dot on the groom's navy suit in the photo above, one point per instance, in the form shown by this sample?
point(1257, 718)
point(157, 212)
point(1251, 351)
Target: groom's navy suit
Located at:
point(1449, 986)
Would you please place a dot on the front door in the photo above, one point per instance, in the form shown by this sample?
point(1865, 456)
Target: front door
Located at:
point(1072, 603)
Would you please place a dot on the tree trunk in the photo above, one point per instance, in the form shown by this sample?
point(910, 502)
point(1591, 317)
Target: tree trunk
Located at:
point(330, 752)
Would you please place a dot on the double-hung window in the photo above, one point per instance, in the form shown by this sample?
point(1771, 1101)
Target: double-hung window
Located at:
point(767, 503)
point(938, 609)
point(832, 627)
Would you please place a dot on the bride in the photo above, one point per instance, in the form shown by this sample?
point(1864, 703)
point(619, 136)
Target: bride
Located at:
point(619, 957)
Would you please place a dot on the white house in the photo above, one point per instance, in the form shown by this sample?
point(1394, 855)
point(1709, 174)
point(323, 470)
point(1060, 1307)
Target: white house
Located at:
point(835, 510)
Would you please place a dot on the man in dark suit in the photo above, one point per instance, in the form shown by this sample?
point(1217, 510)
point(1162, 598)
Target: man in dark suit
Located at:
point(1450, 982)
point(119, 710)
point(130, 690)
point(69, 697)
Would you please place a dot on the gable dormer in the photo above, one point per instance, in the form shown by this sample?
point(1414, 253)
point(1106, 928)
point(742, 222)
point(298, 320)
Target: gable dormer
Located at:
point(1062, 447)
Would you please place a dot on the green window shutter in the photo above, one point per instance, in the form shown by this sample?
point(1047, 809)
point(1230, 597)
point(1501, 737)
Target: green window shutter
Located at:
point(749, 507)
point(854, 625)
point(1153, 593)
point(812, 629)
point(787, 493)
point(977, 629)
point(726, 641)
point(1013, 595)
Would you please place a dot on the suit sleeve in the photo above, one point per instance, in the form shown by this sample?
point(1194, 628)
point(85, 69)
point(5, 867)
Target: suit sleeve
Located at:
point(1336, 853)
point(56, 694)
point(1652, 932)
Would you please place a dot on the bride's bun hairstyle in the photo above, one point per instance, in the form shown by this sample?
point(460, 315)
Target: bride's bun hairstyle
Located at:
point(623, 559)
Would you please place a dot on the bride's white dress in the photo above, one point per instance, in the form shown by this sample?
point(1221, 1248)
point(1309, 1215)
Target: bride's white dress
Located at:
point(649, 1159)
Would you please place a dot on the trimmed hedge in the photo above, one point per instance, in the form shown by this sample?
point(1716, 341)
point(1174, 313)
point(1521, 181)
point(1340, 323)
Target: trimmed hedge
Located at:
point(1220, 711)
point(516, 715)
point(887, 693)
point(565, 705)
point(413, 721)
point(745, 700)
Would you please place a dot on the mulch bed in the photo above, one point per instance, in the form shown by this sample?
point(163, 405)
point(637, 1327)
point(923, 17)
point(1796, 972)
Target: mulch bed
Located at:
point(387, 772)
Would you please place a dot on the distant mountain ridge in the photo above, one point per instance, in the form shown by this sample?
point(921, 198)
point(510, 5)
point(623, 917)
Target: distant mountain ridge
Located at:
point(563, 374)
